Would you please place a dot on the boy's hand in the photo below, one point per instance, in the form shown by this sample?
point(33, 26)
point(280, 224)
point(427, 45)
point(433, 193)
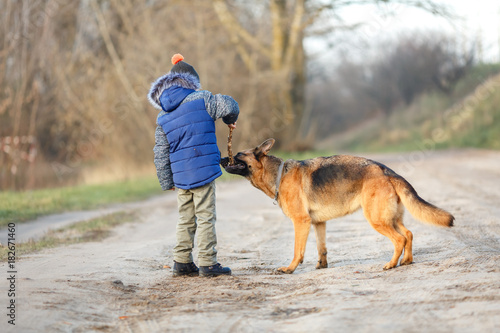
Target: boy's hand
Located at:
point(233, 125)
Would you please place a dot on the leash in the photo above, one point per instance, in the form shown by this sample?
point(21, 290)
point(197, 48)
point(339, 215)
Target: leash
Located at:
point(278, 180)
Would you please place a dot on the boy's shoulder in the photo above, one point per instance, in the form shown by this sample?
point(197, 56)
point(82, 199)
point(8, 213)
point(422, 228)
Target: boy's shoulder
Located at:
point(199, 94)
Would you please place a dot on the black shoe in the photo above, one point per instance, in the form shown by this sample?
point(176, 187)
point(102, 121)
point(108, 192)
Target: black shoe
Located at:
point(214, 270)
point(181, 269)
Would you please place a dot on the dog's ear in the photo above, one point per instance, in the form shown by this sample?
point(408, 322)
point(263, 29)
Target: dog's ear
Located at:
point(264, 147)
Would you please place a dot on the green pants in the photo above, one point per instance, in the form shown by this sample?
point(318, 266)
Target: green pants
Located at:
point(196, 215)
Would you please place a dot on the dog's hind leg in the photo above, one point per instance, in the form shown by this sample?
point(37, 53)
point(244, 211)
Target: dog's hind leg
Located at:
point(408, 254)
point(398, 240)
point(302, 227)
point(381, 209)
point(320, 231)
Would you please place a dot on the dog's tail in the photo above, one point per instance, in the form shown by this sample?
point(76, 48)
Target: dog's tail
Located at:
point(418, 207)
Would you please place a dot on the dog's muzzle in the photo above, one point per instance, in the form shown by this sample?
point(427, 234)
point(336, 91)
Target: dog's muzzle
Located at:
point(237, 168)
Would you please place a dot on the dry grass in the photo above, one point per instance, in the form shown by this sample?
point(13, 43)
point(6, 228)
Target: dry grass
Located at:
point(23, 206)
point(87, 231)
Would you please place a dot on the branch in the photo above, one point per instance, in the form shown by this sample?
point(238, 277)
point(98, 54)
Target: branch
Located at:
point(122, 8)
point(295, 32)
point(314, 16)
point(235, 28)
point(426, 5)
point(103, 29)
point(390, 7)
point(278, 41)
point(330, 28)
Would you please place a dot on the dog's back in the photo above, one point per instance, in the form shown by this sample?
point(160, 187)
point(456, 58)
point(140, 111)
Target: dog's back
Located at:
point(334, 185)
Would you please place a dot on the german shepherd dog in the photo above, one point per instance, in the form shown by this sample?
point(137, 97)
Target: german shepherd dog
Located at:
point(316, 190)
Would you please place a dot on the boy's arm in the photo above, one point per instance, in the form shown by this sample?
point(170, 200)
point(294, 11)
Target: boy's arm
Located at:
point(222, 106)
point(162, 160)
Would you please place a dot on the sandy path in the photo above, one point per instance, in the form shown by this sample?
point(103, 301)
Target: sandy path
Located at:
point(453, 286)
point(38, 227)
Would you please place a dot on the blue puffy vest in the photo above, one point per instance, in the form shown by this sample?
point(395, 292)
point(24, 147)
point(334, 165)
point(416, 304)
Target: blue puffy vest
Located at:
point(194, 155)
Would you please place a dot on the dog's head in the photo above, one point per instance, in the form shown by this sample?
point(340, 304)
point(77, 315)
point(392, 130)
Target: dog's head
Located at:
point(248, 161)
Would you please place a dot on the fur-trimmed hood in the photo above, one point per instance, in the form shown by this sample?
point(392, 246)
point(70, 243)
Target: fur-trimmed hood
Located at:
point(183, 80)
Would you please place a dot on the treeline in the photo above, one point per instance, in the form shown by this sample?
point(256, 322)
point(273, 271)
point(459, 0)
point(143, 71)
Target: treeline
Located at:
point(74, 77)
point(403, 69)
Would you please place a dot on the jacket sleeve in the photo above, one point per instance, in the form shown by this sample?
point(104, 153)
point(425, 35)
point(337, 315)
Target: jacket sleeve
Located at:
point(162, 160)
point(222, 106)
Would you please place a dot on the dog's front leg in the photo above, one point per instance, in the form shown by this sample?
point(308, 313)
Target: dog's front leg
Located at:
point(320, 231)
point(302, 227)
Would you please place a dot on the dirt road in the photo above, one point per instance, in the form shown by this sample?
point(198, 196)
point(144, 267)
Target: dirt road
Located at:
point(120, 285)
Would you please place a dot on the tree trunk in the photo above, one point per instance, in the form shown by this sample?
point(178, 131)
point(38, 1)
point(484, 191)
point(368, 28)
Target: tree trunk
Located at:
point(286, 59)
point(289, 63)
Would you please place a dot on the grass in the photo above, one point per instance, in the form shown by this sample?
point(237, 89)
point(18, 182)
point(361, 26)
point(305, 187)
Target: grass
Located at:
point(22, 206)
point(417, 125)
point(86, 231)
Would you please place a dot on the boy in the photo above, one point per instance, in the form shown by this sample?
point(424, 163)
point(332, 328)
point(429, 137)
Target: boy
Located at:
point(187, 158)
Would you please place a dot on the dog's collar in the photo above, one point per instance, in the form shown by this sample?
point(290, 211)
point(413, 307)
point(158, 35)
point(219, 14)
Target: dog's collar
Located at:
point(278, 181)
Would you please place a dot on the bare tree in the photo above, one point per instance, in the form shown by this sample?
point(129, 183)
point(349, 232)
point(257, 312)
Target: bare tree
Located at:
point(281, 51)
point(74, 75)
point(416, 64)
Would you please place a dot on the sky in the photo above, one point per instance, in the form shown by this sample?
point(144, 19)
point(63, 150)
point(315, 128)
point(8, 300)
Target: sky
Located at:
point(477, 20)
point(481, 18)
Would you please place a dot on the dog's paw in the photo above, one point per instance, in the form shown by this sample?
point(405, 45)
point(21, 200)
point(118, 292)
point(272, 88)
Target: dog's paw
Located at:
point(321, 265)
point(388, 266)
point(406, 262)
point(285, 270)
